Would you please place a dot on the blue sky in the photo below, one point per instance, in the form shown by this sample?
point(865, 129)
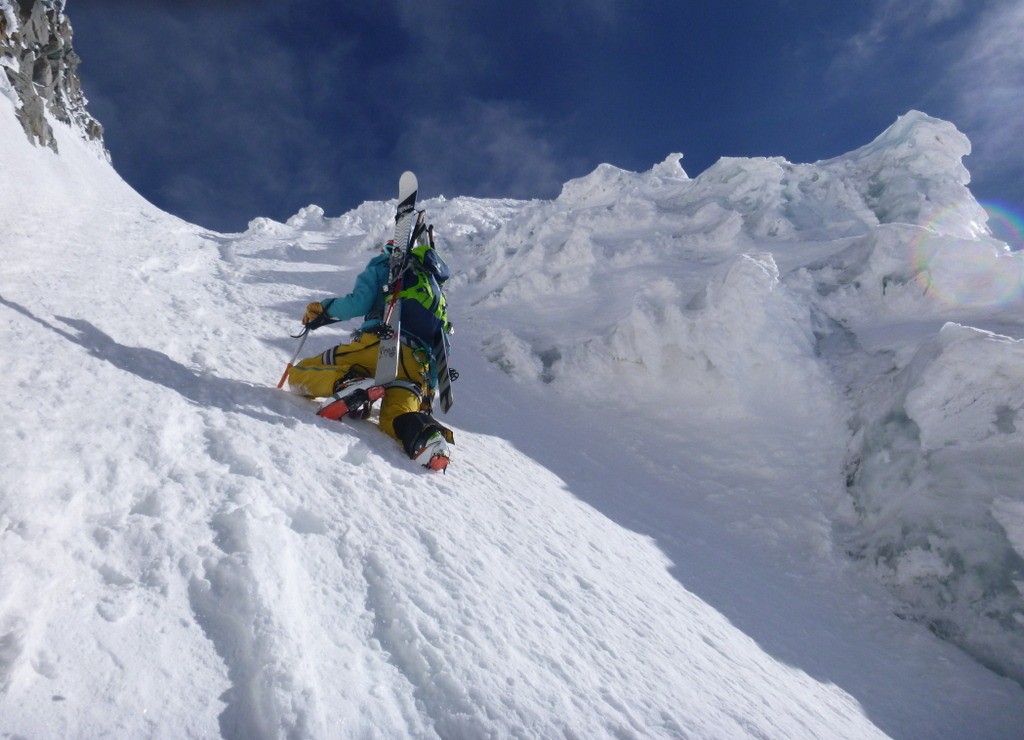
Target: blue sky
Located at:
point(223, 110)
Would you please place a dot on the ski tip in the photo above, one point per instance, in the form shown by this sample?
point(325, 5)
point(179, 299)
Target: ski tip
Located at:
point(407, 182)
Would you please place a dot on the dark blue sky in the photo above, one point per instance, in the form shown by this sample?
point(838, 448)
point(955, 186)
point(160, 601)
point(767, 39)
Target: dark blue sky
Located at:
point(223, 110)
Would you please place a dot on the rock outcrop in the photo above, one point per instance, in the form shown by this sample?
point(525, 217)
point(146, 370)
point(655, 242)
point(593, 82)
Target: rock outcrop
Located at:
point(41, 66)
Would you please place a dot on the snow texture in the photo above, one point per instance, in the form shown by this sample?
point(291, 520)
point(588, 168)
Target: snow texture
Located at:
point(735, 454)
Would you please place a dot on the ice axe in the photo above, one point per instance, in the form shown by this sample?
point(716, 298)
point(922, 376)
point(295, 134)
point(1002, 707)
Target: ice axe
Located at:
point(302, 340)
point(321, 320)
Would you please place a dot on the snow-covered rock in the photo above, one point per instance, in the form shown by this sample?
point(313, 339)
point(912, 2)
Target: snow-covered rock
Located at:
point(41, 70)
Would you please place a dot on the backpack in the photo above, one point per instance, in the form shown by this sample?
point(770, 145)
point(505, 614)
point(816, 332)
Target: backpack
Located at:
point(424, 308)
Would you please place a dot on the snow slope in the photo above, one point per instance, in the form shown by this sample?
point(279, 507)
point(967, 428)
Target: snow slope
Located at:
point(665, 385)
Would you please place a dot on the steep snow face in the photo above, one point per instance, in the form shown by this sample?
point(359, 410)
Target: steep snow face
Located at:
point(643, 530)
point(797, 296)
point(935, 462)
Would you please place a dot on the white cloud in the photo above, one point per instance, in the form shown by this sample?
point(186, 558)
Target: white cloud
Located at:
point(897, 20)
point(490, 148)
point(989, 90)
point(957, 60)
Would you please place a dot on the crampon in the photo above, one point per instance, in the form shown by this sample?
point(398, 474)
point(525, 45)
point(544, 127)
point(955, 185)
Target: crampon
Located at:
point(354, 399)
point(434, 453)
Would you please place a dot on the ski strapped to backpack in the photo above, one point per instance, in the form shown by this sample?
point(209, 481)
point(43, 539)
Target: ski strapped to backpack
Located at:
point(425, 312)
point(405, 218)
point(415, 275)
point(432, 298)
point(445, 374)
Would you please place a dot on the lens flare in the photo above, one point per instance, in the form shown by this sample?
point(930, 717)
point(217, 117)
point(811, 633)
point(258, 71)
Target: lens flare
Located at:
point(1005, 224)
point(970, 272)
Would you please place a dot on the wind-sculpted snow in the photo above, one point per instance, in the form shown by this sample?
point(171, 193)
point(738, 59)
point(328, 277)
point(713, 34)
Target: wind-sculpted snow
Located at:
point(666, 385)
point(938, 488)
point(766, 290)
point(912, 173)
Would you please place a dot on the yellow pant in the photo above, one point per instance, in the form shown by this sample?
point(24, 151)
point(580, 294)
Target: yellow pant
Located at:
point(315, 376)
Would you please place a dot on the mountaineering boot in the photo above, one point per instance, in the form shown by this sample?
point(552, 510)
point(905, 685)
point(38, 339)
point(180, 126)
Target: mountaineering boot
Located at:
point(424, 440)
point(354, 397)
point(434, 453)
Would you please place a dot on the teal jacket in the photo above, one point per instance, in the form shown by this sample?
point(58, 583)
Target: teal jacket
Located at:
point(366, 298)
